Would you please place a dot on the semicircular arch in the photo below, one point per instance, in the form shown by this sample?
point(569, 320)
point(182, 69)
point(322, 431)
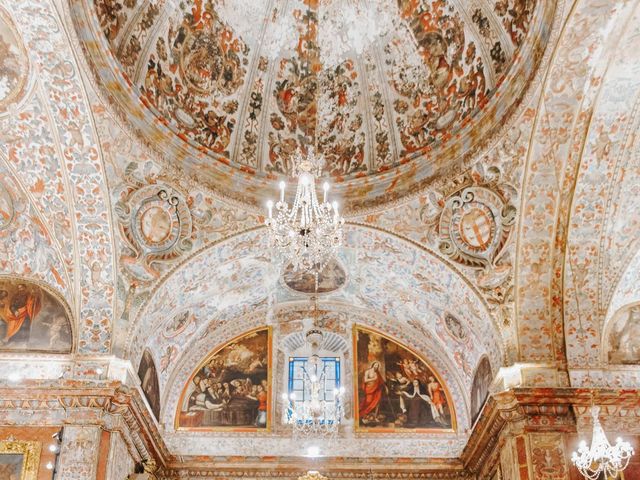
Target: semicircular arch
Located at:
point(388, 275)
point(34, 317)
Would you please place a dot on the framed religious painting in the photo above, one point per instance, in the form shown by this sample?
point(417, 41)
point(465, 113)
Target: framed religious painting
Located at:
point(397, 390)
point(19, 460)
point(480, 387)
point(231, 389)
point(33, 317)
point(148, 374)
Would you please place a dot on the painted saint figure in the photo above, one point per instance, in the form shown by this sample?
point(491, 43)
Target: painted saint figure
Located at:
point(400, 384)
point(416, 403)
point(261, 396)
point(437, 399)
point(31, 318)
point(372, 385)
point(20, 312)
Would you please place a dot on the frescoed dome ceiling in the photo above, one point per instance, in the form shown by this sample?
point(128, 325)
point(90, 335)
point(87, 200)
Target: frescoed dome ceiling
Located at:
point(149, 259)
point(522, 251)
point(210, 99)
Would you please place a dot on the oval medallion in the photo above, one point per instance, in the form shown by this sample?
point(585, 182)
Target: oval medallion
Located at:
point(330, 279)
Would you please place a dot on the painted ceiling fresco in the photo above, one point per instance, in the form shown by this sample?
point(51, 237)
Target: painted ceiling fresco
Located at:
point(224, 112)
point(49, 147)
point(564, 234)
point(524, 251)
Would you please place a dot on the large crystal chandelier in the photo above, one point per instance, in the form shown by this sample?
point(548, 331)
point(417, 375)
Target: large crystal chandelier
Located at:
point(601, 460)
point(345, 27)
point(307, 233)
point(313, 416)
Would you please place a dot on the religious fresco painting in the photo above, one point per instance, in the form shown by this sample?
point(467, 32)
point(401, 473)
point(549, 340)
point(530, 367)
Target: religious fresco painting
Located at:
point(455, 328)
point(624, 337)
point(480, 388)
point(396, 389)
point(32, 319)
point(331, 278)
point(231, 389)
point(149, 381)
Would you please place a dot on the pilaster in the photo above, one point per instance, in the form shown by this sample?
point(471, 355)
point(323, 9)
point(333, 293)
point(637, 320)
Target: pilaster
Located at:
point(80, 452)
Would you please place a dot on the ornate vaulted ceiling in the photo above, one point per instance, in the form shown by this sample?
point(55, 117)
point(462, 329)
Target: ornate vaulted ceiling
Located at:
point(128, 185)
point(197, 83)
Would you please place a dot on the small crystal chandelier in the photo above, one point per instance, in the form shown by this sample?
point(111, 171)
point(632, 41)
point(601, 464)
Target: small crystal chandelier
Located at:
point(308, 233)
point(601, 460)
point(314, 417)
point(312, 475)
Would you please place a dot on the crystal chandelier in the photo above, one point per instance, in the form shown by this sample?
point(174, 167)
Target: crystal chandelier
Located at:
point(314, 416)
point(308, 233)
point(274, 29)
point(344, 27)
point(601, 460)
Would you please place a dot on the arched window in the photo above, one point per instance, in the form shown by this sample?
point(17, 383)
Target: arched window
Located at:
point(302, 373)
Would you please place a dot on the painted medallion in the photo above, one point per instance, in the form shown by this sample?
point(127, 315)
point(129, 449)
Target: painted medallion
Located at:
point(455, 328)
point(332, 278)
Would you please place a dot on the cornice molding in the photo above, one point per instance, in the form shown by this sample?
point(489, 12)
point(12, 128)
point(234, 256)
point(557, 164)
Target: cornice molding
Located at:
point(528, 410)
point(113, 406)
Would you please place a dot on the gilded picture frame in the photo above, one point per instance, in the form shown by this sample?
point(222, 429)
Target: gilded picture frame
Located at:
point(30, 453)
point(358, 427)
